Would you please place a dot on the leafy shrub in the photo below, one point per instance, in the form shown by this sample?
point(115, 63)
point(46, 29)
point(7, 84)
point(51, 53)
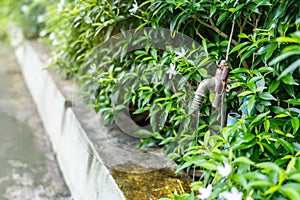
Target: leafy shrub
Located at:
point(76, 28)
point(258, 157)
point(28, 15)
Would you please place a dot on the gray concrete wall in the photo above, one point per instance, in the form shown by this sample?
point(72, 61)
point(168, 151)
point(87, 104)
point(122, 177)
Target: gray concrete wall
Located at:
point(84, 171)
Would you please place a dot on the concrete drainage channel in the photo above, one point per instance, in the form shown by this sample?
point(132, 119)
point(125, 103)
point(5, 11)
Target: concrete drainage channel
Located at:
point(97, 162)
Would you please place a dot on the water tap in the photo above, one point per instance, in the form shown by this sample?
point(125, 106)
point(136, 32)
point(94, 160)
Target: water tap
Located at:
point(216, 84)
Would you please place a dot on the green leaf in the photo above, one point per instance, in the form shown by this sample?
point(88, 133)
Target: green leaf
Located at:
point(259, 117)
point(269, 166)
point(290, 69)
point(203, 72)
point(163, 119)
point(239, 70)
point(239, 179)
point(254, 79)
point(295, 124)
point(267, 96)
point(293, 101)
point(244, 160)
point(171, 2)
point(157, 135)
point(243, 35)
point(166, 141)
point(207, 165)
point(239, 7)
point(212, 10)
point(266, 69)
point(279, 110)
point(120, 107)
point(260, 183)
point(263, 3)
point(283, 56)
point(239, 46)
point(145, 88)
point(245, 93)
point(259, 89)
point(221, 18)
point(267, 125)
point(236, 84)
point(290, 90)
point(268, 147)
point(147, 99)
point(291, 190)
point(141, 110)
point(231, 9)
point(270, 50)
point(287, 39)
point(288, 146)
point(206, 137)
point(183, 166)
point(273, 86)
point(288, 79)
point(143, 132)
point(282, 115)
point(247, 54)
point(295, 177)
point(291, 165)
point(272, 189)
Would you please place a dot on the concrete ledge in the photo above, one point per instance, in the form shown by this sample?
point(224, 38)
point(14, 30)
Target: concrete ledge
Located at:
point(83, 170)
point(87, 151)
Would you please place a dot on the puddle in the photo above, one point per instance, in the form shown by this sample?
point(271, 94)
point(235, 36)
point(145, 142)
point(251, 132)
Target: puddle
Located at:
point(145, 184)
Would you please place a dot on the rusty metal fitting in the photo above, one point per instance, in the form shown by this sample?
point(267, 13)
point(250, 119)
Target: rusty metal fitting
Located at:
point(225, 69)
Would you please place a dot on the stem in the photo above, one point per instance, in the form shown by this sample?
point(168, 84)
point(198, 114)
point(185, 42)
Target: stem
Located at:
point(241, 26)
point(214, 28)
point(230, 38)
point(255, 27)
point(222, 34)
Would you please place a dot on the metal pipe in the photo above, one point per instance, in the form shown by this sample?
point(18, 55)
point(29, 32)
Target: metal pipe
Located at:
point(215, 84)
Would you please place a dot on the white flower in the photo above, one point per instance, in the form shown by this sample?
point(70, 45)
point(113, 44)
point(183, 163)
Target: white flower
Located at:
point(135, 7)
point(234, 194)
point(52, 36)
point(24, 8)
point(92, 69)
point(43, 33)
point(224, 171)
point(60, 5)
point(55, 42)
point(40, 18)
point(180, 54)
point(205, 192)
point(171, 71)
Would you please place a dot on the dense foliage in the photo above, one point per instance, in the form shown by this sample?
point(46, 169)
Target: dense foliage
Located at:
point(28, 14)
point(257, 157)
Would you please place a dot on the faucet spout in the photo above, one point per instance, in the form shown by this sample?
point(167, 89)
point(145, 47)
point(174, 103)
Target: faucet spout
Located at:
point(206, 86)
point(215, 84)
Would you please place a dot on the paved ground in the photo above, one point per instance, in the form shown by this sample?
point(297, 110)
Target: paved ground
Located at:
point(28, 169)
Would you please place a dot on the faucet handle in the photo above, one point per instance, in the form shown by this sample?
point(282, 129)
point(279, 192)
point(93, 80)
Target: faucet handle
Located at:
point(223, 63)
point(225, 69)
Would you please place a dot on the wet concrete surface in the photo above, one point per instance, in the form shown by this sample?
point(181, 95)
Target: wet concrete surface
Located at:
point(28, 169)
